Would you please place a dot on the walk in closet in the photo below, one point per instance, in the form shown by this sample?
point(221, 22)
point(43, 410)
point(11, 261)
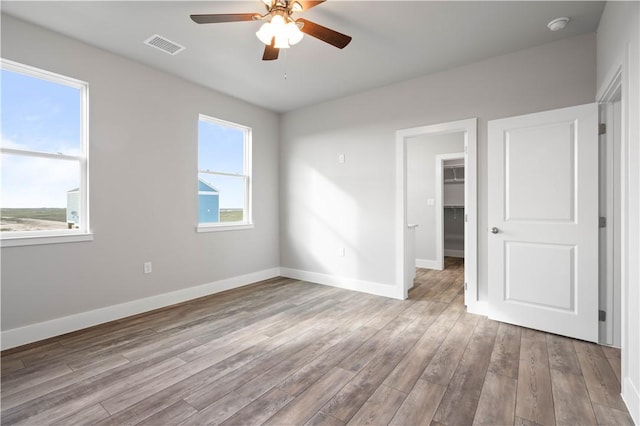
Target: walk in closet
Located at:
point(453, 205)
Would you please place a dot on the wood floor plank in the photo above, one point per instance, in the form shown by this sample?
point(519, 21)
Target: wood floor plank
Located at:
point(14, 399)
point(614, 362)
point(10, 365)
point(322, 419)
point(497, 404)
point(89, 415)
point(534, 400)
point(378, 342)
point(56, 405)
point(144, 389)
point(611, 416)
point(28, 377)
point(354, 394)
point(171, 415)
point(445, 361)
point(379, 408)
point(506, 352)
point(260, 410)
point(263, 362)
point(409, 370)
point(303, 407)
point(420, 405)
point(307, 375)
point(535, 335)
point(34, 354)
point(519, 421)
point(588, 348)
point(219, 411)
point(277, 374)
point(460, 401)
point(92, 352)
point(601, 381)
point(562, 355)
point(571, 399)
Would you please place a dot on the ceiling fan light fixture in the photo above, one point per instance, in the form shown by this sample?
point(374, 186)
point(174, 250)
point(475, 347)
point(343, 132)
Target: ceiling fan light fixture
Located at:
point(281, 42)
point(265, 33)
point(293, 33)
point(285, 33)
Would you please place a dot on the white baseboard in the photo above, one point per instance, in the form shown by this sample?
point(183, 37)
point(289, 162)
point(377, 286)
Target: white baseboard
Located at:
point(429, 264)
point(341, 282)
point(454, 253)
point(44, 330)
point(631, 397)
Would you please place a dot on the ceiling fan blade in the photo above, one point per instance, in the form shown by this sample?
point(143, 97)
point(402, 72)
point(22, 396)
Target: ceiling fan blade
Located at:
point(270, 52)
point(308, 4)
point(325, 34)
point(225, 17)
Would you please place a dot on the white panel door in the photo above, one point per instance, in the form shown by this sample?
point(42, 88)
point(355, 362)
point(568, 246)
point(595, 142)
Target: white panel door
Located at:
point(543, 221)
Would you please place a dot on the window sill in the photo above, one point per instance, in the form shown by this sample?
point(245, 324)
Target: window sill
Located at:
point(218, 228)
point(33, 240)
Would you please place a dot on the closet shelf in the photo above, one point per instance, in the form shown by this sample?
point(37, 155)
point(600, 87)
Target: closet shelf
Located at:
point(454, 206)
point(453, 173)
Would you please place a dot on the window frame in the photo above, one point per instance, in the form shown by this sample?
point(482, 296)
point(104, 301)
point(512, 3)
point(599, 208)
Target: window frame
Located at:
point(83, 233)
point(247, 212)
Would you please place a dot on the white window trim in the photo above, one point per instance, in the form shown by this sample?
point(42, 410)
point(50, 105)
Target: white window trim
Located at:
point(14, 239)
point(235, 226)
point(32, 240)
point(247, 223)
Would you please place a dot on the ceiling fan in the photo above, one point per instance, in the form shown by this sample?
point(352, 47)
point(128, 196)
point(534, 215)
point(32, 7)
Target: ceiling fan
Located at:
point(280, 30)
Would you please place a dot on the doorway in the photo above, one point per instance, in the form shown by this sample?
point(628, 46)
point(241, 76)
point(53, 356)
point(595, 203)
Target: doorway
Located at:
point(404, 233)
point(450, 206)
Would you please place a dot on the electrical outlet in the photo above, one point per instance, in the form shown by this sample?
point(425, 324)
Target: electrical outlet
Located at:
point(341, 251)
point(341, 158)
point(148, 267)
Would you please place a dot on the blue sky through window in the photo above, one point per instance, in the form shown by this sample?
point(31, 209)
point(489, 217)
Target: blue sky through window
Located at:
point(38, 115)
point(221, 149)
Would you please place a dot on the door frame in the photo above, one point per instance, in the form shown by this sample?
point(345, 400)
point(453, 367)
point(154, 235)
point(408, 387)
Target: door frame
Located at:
point(469, 128)
point(611, 92)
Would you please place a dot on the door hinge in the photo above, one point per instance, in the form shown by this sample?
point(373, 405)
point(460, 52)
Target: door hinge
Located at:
point(465, 286)
point(602, 315)
point(602, 128)
point(602, 222)
point(466, 149)
point(466, 219)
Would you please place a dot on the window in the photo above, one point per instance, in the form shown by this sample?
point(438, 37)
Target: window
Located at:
point(224, 175)
point(43, 153)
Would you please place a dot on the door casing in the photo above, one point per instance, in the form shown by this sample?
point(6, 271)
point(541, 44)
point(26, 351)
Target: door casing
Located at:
point(469, 128)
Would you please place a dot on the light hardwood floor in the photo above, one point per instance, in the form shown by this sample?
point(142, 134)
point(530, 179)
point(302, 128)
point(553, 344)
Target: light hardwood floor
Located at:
point(289, 352)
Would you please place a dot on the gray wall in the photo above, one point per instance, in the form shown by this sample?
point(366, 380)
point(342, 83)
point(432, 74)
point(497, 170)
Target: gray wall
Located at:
point(143, 153)
point(421, 185)
point(619, 37)
point(325, 204)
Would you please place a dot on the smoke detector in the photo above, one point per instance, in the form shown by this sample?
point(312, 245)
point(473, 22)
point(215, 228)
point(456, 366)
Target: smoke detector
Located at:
point(558, 24)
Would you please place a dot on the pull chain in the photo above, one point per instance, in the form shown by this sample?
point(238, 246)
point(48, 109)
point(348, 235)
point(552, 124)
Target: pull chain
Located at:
point(284, 62)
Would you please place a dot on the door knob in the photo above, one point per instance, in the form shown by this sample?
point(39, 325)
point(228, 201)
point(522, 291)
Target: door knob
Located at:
point(494, 230)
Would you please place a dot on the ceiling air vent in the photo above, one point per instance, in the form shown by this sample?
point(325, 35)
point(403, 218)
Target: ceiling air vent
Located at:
point(163, 44)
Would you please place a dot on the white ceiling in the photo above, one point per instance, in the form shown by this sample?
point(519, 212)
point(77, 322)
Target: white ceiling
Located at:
point(392, 40)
